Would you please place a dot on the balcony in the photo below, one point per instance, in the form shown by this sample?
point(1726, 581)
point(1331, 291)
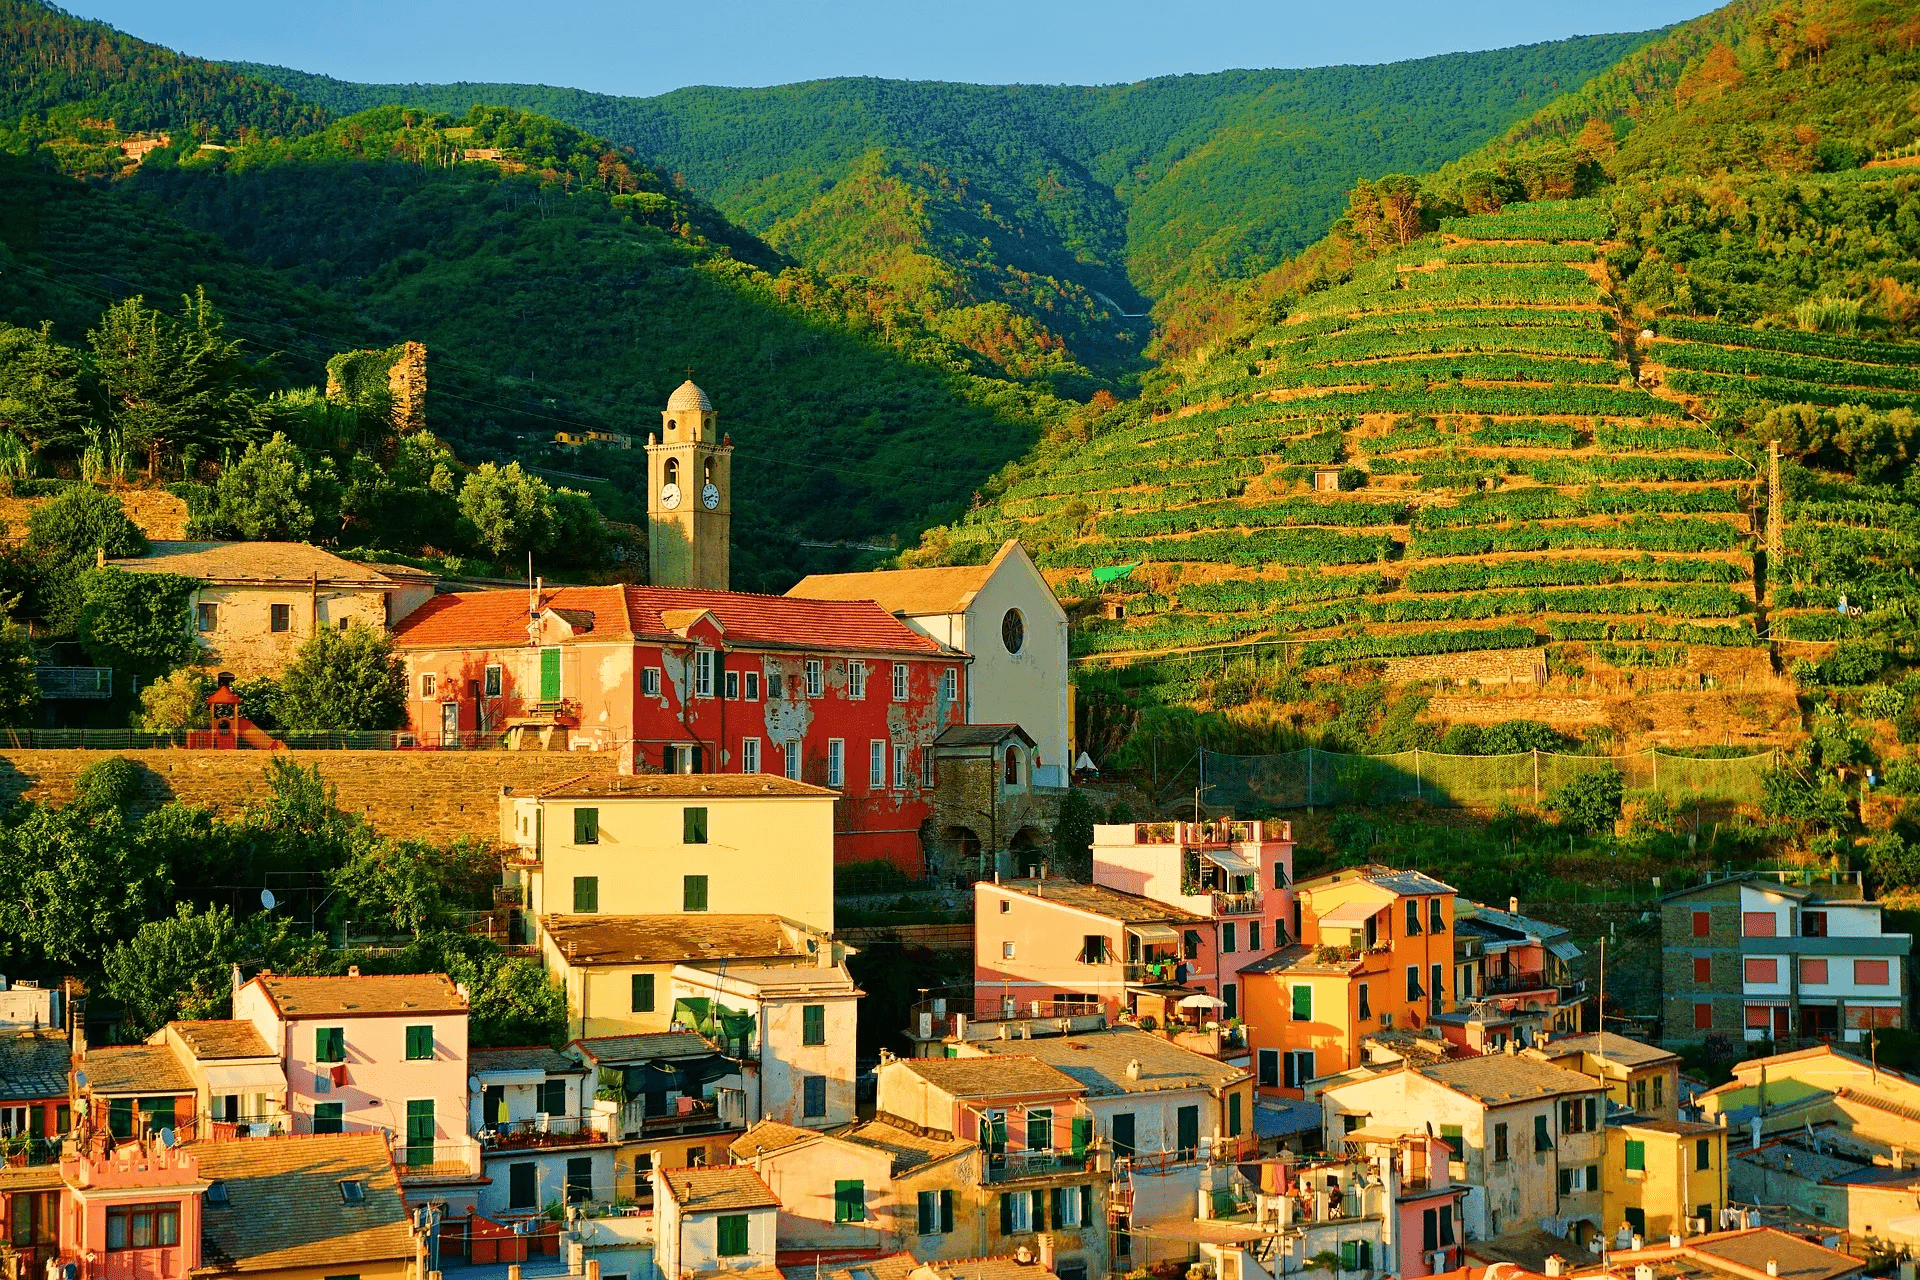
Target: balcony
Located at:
point(938, 1019)
point(546, 1131)
point(726, 1110)
point(22, 1152)
point(1012, 1166)
point(1164, 972)
point(442, 1160)
point(1236, 904)
point(1210, 835)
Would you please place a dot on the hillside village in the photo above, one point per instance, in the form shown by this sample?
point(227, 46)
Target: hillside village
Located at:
point(1385, 752)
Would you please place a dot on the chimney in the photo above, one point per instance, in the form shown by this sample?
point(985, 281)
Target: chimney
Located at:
point(1133, 1069)
point(99, 557)
point(1513, 906)
point(1556, 1265)
point(1023, 1256)
point(1773, 1266)
point(1673, 1240)
point(353, 971)
point(1642, 1271)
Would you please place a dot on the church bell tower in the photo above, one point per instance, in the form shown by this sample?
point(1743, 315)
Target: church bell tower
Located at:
point(689, 495)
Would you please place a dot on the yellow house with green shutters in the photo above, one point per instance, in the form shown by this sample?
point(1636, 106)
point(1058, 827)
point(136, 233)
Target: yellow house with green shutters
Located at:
point(1661, 1173)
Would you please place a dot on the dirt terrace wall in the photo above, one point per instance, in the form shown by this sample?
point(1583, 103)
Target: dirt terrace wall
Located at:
point(155, 512)
point(434, 794)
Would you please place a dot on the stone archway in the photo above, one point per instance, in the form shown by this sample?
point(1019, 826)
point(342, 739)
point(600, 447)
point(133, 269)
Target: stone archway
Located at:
point(955, 855)
point(1030, 847)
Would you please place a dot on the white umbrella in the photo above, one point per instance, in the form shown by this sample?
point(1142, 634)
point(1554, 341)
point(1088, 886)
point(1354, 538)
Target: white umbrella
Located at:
point(1202, 1001)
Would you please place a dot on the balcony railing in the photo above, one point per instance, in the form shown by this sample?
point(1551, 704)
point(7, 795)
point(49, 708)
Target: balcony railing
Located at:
point(1010, 1166)
point(1236, 904)
point(1162, 971)
point(1210, 834)
point(727, 1109)
point(1502, 984)
point(545, 1131)
point(17, 1153)
point(451, 1159)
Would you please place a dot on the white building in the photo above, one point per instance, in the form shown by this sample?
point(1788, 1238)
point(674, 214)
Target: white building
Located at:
point(1005, 615)
point(1829, 956)
point(716, 1219)
point(542, 1141)
point(795, 1027)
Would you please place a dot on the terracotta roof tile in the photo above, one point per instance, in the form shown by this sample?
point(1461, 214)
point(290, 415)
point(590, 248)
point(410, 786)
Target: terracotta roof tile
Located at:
point(33, 1064)
point(913, 592)
point(616, 1050)
point(134, 1068)
point(1099, 1060)
point(769, 1136)
point(371, 993)
point(1499, 1078)
point(992, 1077)
point(210, 1039)
point(284, 1206)
point(909, 1150)
point(725, 1187)
point(1115, 904)
point(670, 939)
point(530, 1058)
point(1609, 1045)
point(250, 562)
point(682, 786)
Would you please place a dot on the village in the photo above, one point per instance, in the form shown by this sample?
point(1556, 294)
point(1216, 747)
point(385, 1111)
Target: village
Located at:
point(1190, 1063)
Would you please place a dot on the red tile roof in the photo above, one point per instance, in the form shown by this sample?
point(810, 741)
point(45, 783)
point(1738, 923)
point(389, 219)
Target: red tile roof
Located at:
point(498, 619)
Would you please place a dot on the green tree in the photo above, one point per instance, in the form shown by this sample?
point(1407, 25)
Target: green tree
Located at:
point(138, 623)
point(175, 702)
point(181, 966)
point(411, 885)
point(64, 538)
point(509, 509)
point(1893, 862)
point(19, 689)
point(174, 389)
point(1590, 801)
point(581, 535)
point(78, 882)
point(43, 399)
point(266, 495)
point(345, 680)
point(1073, 835)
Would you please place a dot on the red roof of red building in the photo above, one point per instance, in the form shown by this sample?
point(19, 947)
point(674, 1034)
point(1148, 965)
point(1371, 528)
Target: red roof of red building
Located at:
point(498, 619)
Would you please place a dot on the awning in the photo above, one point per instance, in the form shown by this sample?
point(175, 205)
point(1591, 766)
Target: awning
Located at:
point(1565, 950)
point(503, 1078)
point(1231, 862)
point(1151, 933)
point(1351, 915)
point(246, 1077)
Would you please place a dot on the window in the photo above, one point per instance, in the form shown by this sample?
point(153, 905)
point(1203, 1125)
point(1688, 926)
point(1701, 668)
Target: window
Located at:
point(1013, 767)
point(586, 826)
point(1366, 1002)
point(693, 893)
point(1016, 1212)
point(753, 686)
point(1269, 1068)
point(1302, 1003)
point(1436, 916)
point(926, 764)
point(1762, 969)
point(816, 678)
point(142, 1226)
point(1436, 999)
point(1253, 935)
point(836, 761)
point(1636, 1156)
point(1813, 924)
point(1229, 937)
point(1233, 1115)
point(1190, 948)
point(1093, 949)
point(693, 825)
point(1757, 924)
point(877, 765)
point(281, 617)
point(1356, 1255)
point(1702, 1016)
point(1813, 972)
point(1413, 982)
point(1013, 631)
point(901, 775)
point(749, 755)
point(813, 1024)
point(329, 1117)
point(790, 757)
point(730, 684)
point(1870, 973)
point(329, 1044)
point(733, 1235)
point(1006, 950)
point(495, 681)
point(643, 993)
point(420, 1044)
point(1230, 998)
point(1703, 970)
point(775, 684)
point(1413, 916)
point(704, 662)
point(1299, 1068)
point(1436, 1227)
point(1500, 1142)
point(856, 679)
point(1039, 1129)
point(1659, 1090)
point(579, 1179)
point(936, 1213)
point(206, 617)
point(950, 685)
point(586, 895)
point(1122, 1133)
point(1542, 1140)
point(1703, 1154)
point(1702, 924)
point(1072, 1207)
point(899, 682)
point(849, 1200)
point(813, 1097)
point(1455, 1138)
point(650, 682)
point(1279, 876)
point(426, 684)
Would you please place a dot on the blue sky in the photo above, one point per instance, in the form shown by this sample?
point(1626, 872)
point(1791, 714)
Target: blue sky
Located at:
point(647, 47)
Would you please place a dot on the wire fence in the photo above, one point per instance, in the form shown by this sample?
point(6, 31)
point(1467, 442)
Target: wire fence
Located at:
point(1308, 777)
point(203, 739)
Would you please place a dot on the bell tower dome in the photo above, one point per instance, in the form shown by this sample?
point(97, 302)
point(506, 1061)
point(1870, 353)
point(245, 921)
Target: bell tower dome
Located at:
point(689, 494)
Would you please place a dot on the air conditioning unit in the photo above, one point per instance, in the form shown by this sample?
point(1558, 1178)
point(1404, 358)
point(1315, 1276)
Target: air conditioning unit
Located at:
point(1437, 1261)
point(1697, 1226)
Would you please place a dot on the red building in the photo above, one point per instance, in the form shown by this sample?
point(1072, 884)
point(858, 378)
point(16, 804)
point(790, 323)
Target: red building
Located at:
point(837, 693)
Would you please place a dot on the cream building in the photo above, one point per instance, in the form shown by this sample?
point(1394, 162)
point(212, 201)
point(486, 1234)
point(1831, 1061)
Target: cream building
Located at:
point(1005, 615)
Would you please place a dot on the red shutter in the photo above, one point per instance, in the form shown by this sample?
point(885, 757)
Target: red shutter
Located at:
point(1703, 969)
point(1869, 973)
point(1702, 924)
point(1702, 1017)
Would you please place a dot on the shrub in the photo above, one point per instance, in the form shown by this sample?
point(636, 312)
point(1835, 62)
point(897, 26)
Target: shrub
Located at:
point(1591, 801)
point(344, 680)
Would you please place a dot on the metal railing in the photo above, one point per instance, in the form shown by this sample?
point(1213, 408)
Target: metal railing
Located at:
point(1153, 971)
point(1236, 904)
point(545, 1131)
point(19, 1152)
point(1202, 835)
point(1011, 1166)
point(74, 682)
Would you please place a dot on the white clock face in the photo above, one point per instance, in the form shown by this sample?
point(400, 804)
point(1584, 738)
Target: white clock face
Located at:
point(670, 497)
point(710, 496)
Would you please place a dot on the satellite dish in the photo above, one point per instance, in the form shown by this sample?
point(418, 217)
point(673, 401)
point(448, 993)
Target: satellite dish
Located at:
point(473, 1082)
point(167, 1138)
point(267, 899)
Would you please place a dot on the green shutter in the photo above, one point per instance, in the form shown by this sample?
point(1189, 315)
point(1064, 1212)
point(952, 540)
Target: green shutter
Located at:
point(1082, 1135)
point(946, 1212)
point(419, 1044)
point(330, 1044)
point(643, 993)
point(693, 826)
point(813, 1024)
point(1233, 1115)
point(328, 1116)
point(929, 1203)
point(849, 1200)
point(1303, 1004)
point(694, 894)
point(419, 1129)
point(1542, 1140)
point(549, 675)
point(586, 894)
point(1636, 1156)
point(586, 826)
point(733, 1235)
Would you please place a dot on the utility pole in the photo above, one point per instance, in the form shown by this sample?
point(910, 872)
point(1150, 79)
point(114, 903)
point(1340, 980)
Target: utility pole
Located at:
point(1776, 518)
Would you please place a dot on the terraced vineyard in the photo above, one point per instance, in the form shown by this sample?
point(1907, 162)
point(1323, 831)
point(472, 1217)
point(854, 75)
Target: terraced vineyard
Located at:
point(1504, 477)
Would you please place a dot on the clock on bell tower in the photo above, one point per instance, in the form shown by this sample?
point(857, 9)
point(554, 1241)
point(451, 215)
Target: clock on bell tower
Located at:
point(689, 495)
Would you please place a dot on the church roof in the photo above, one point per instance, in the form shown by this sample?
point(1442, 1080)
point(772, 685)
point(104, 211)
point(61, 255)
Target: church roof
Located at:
point(907, 592)
point(688, 396)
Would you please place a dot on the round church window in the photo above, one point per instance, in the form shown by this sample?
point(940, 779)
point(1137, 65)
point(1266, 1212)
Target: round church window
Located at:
point(1013, 631)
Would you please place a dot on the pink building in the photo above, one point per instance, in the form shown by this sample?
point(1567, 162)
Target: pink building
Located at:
point(370, 1051)
point(132, 1213)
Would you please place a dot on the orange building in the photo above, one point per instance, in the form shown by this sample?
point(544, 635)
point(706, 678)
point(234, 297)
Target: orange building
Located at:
point(1375, 952)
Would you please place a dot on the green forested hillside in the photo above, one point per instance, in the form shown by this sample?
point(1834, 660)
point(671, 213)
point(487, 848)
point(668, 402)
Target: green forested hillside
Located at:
point(1063, 207)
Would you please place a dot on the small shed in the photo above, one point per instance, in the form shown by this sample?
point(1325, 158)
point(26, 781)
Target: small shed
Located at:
point(1326, 480)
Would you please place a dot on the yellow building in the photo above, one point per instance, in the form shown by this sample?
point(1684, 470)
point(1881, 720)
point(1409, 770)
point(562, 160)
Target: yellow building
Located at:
point(1662, 1173)
point(703, 844)
point(1639, 1076)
